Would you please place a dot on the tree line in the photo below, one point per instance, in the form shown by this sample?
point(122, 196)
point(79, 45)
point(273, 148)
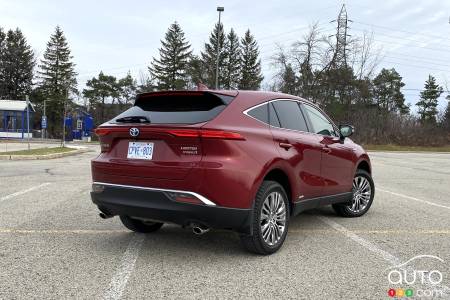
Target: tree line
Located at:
point(346, 87)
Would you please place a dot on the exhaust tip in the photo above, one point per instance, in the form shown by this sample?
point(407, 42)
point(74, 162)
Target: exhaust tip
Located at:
point(105, 216)
point(199, 229)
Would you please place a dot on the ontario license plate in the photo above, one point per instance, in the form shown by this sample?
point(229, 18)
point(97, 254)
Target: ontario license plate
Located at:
point(140, 150)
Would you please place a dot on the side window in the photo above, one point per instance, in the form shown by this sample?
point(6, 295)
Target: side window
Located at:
point(260, 113)
point(273, 118)
point(319, 122)
point(290, 115)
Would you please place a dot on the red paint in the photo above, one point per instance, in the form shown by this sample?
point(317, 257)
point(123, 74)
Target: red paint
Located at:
point(227, 158)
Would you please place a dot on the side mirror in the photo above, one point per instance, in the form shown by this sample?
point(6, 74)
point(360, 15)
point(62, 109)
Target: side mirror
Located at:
point(346, 130)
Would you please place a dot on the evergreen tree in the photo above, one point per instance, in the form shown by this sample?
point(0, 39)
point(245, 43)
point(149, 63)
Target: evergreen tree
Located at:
point(16, 65)
point(446, 117)
point(387, 91)
point(127, 88)
point(57, 79)
point(209, 57)
point(232, 61)
point(2, 51)
point(429, 100)
point(251, 76)
point(98, 91)
point(288, 82)
point(170, 70)
point(196, 71)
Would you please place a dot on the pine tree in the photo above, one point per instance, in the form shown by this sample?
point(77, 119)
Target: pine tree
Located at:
point(232, 61)
point(2, 51)
point(127, 87)
point(196, 71)
point(429, 100)
point(446, 117)
point(16, 64)
point(251, 76)
point(170, 70)
point(288, 82)
point(98, 91)
point(57, 78)
point(209, 57)
point(387, 91)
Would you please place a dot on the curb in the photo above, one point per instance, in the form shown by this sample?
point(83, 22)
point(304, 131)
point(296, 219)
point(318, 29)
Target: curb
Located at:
point(75, 151)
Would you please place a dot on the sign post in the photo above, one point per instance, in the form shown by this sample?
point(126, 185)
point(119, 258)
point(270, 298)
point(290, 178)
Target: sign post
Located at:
point(28, 121)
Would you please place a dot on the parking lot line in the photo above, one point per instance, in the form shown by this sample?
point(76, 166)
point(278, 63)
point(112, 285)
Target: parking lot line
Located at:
point(413, 198)
point(390, 258)
point(126, 267)
point(363, 242)
point(24, 191)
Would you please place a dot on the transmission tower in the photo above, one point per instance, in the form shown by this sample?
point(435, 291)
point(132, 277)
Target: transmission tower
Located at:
point(340, 56)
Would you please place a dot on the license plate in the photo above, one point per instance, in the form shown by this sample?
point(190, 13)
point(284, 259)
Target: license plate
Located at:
point(140, 150)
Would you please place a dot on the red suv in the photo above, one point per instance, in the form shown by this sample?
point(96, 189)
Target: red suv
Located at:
point(240, 160)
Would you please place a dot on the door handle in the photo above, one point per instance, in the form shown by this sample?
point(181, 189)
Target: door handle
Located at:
point(326, 149)
point(285, 146)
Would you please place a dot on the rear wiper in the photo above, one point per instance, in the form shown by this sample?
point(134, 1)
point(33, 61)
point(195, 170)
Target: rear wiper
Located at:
point(133, 119)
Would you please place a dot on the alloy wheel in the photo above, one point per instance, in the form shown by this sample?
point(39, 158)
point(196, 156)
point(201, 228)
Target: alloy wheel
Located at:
point(273, 218)
point(362, 191)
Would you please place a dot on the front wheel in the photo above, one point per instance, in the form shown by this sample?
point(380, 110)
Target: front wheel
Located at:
point(363, 193)
point(139, 225)
point(270, 220)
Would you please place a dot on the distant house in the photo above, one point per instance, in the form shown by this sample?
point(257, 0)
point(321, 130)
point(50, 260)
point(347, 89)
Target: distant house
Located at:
point(13, 119)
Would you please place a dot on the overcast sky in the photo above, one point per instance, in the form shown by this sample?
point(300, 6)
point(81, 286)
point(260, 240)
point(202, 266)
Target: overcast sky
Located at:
point(117, 36)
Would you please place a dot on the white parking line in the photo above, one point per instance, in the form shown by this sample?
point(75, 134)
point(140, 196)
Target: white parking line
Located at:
point(23, 191)
point(123, 272)
point(391, 259)
point(363, 242)
point(413, 198)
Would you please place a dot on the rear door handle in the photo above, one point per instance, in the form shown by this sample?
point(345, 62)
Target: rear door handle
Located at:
point(286, 146)
point(327, 150)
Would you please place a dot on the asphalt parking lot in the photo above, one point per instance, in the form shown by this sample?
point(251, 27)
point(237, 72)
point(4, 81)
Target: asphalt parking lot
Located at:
point(53, 245)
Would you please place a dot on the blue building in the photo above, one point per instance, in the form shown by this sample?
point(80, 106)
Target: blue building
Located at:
point(13, 119)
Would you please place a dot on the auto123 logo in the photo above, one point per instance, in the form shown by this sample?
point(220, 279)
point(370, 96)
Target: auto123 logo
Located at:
point(409, 280)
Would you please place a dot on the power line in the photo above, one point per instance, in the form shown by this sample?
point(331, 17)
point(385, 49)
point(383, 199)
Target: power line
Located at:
point(402, 30)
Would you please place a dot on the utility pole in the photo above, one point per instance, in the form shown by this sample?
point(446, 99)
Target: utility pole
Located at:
point(340, 56)
point(28, 120)
point(220, 9)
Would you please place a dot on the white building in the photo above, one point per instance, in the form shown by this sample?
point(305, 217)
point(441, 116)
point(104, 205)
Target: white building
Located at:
point(13, 119)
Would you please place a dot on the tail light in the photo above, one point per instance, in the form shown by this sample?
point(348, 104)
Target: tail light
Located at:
point(105, 143)
point(206, 134)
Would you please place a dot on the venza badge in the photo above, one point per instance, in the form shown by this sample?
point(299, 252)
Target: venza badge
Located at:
point(134, 131)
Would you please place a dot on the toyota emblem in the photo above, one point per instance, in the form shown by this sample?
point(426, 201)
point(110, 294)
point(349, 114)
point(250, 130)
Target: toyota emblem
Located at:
point(134, 132)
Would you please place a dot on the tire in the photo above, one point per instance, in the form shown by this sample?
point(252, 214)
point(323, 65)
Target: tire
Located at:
point(363, 179)
point(270, 239)
point(140, 226)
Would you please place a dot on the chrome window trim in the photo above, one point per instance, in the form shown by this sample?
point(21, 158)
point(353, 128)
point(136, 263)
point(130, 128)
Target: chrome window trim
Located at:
point(245, 112)
point(198, 196)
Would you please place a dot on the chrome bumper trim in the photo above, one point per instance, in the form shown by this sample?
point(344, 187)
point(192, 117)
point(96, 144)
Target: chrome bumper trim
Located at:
point(198, 196)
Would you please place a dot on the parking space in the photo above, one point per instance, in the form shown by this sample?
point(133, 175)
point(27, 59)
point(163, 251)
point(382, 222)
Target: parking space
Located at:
point(53, 244)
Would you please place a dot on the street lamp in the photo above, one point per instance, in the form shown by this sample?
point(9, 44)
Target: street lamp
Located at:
point(220, 9)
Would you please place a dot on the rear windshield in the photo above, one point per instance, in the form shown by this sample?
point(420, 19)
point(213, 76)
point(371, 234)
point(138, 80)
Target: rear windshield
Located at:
point(175, 108)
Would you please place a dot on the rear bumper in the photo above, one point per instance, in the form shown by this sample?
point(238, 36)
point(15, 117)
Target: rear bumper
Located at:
point(155, 204)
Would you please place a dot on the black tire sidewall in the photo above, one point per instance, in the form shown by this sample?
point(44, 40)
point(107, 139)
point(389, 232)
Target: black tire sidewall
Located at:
point(270, 187)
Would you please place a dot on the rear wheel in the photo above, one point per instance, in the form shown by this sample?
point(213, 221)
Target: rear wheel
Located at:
point(270, 220)
point(363, 193)
point(140, 225)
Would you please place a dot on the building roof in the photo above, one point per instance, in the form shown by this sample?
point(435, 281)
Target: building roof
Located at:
point(15, 105)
